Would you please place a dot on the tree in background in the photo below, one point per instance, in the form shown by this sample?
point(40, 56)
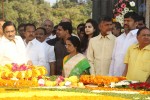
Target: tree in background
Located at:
point(36, 11)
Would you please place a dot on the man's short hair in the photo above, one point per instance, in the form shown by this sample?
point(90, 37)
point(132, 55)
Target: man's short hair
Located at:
point(8, 23)
point(132, 15)
point(139, 31)
point(29, 24)
point(21, 25)
point(66, 26)
point(141, 18)
point(117, 25)
point(105, 18)
point(42, 29)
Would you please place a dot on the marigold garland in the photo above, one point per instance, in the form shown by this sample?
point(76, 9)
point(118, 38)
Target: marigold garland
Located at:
point(100, 80)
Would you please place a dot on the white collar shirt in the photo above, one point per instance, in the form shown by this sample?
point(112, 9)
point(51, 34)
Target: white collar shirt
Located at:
point(50, 37)
point(49, 54)
point(36, 53)
point(122, 43)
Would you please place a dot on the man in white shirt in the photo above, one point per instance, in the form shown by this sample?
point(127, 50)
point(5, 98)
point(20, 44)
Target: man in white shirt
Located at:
point(34, 48)
point(122, 43)
point(40, 34)
point(49, 26)
point(12, 48)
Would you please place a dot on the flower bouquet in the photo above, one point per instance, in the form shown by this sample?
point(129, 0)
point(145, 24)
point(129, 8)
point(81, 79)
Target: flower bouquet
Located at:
point(121, 8)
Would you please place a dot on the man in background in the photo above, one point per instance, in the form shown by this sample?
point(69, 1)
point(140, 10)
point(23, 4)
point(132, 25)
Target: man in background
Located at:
point(141, 22)
point(49, 25)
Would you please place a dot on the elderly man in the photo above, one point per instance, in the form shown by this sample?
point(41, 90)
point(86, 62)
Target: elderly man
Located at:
point(100, 48)
point(49, 25)
point(137, 58)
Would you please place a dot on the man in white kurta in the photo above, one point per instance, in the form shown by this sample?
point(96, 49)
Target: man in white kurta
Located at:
point(40, 34)
point(122, 43)
point(12, 51)
point(12, 48)
point(36, 53)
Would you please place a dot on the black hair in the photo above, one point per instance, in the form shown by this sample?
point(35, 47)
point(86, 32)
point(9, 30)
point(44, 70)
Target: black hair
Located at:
point(66, 26)
point(8, 23)
point(55, 29)
point(132, 15)
point(105, 18)
point(139, 31)
point(21, 25)
point(141, 18)
point(81, 24)
point(42, 29)
point(29, 24)
point(75, 41)
point(117, 25)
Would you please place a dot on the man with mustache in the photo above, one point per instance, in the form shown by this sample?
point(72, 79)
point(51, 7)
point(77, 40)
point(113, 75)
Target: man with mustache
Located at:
point(40, 34)
point(123, 42)
point(12, 48)
point(100, 48)
point(34, 48)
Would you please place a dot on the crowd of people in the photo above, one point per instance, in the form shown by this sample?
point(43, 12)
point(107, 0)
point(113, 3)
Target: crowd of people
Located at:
point(96, 48)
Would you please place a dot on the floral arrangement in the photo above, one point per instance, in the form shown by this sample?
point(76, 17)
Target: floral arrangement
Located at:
point(141, 85)
point(21, 71)
point(121, 8)
point(100, 80)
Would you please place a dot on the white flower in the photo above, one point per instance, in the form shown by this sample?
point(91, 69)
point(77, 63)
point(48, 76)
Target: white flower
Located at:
point(132, 3)
point(126, 9)
point(123, 12)
point(112, 85)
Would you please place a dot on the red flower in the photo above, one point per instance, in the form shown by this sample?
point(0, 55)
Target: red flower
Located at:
point(123, 5)
point(119, 10)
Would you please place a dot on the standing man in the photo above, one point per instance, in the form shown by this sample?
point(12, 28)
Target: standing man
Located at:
point(21, 30)
point(34, 48)
point(12, 48)
point(40, 34)
point(137, 58)
point(100, 48)
point(123, 42)
point(64, 31)
point(141, 22)
point(49, 25)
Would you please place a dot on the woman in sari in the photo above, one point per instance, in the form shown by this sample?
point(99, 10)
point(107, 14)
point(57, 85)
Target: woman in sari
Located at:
point(75, 63)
